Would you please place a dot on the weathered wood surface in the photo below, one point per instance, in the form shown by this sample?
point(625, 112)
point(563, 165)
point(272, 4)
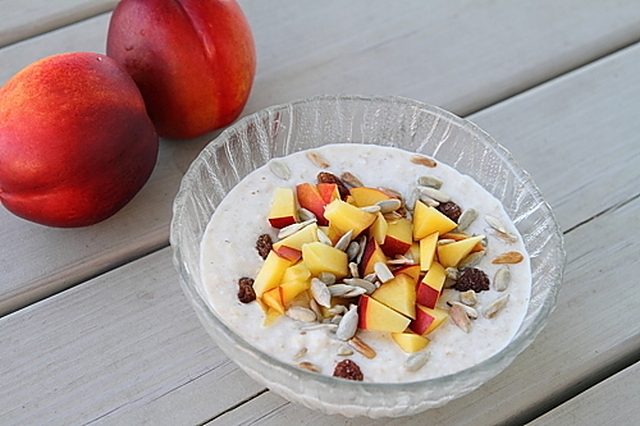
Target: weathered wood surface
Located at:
point(124, 347)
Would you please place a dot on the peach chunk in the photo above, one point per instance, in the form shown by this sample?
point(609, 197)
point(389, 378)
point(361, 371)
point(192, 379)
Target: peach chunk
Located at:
point(430, 287)
point(428, 250)
point(283, 211)
point(451, 254)
point(427, 220)
point(319, 257)
point(398, 293)
point(373, 315)
point(427, 319)
point(410, 342)
point(399, 237)
point(364, 196)
point(344, 217)
point(270, 273)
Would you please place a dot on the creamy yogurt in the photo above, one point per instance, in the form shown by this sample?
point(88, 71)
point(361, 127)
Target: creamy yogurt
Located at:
point(228, 253)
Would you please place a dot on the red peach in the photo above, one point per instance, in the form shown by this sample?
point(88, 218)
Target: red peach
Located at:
point(76, 143)
point(193, 60)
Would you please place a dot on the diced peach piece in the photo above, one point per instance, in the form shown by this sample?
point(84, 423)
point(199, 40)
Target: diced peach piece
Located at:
point(345, 217)
point(451, 254)
point(271, 316)
point(283, 210)
point(373, 315)
point(364, 196)
point(430, 287)
point(399, 237)
point(289, 253)
point(414, 251)
point(412, 271)
point(291, 289)
point(427, 220)
point(371, 255)
point(270, 274)
point(319, 257)
point(410, 342)
point(273, 299)
point(428, 250)
point(297, 272)
point(308, 234)
point(379, 228)
point(398, 293)
point(328, 192)
point(427, 319)
point(309, 198)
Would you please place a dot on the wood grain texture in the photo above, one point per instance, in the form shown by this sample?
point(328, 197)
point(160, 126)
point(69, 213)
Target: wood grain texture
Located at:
point(130, 332)
point(22, 19)
point(462, 56)
point(611, 402)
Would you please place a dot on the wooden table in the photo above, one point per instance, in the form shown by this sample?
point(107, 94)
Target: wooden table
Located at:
point(94, 328)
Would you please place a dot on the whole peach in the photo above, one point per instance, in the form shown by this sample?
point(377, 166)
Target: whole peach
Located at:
point(193, 60)
point(76, 143)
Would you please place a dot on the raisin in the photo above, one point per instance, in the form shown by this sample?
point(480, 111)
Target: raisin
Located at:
point(263, 245)
point(326, 177)
point(348, 369)
point(472, 279)
point(246, 294)
point(451, 210)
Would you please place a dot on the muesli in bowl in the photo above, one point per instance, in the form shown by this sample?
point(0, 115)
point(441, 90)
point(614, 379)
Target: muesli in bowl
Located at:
point(365, 256)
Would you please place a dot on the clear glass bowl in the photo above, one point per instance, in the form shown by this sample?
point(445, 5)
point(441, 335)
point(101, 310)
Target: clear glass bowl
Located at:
point(388, 121)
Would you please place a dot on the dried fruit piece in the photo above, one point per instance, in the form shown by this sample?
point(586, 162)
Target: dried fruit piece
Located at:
point(246, 294)
point(263, 245)
point(472, 279)
point(450, 209)
point(349, 370)
point(509, 257)
point(423, 161)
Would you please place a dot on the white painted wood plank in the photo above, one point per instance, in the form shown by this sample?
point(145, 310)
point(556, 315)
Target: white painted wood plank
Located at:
point(611, 402)
point(592, 331)
point(115, 350)
point(602, 265)
point(21, 19)
point(438, 52)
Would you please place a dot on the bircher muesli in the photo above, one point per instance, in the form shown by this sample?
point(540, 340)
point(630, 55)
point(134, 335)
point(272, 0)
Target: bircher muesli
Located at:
point(367, 263)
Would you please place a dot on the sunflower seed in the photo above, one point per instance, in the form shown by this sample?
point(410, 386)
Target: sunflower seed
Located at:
point(468, 310)
point(459, 317)
point(345, 350)
point(452, 273)
point(361, 282)
point(335, 320)
point(411, 198)
point(507, 237)
point(360, 346)
point(496, 306)
point(383, 272)
point(508, 257)
point(430, 181)
point(416, 361)
point(353, 270)
point(495, 223)
point(435, 194)
point(423, 161)
point(309, 366)
point(318, 160)
point(339, 290)
point(502, 278)
point(357, 291)
point(352, 250)
point(299, 313)
point(391, 192)
point(349, 179)
point(279, 169)
point(348, 325)
point(444, 241)
point(471, 260)
point(390, 205)
point(469, 297)
point(400, 260)
point(372, 277)
point(294, 227)
point(316, 308)
point(323, 238)
point(319, 326)
point(429, 202)
point(327, 277)
point(320, 292)
point(343, 242)
point(362, 241)
point(466, 218)
point(371, 209)
point(301, 353)
point(305, 214)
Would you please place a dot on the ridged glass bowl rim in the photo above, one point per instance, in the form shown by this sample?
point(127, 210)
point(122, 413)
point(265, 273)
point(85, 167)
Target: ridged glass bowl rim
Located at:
point(502, 358)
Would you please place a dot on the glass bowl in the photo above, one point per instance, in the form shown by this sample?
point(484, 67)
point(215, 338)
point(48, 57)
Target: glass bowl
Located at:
point(389, 121)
